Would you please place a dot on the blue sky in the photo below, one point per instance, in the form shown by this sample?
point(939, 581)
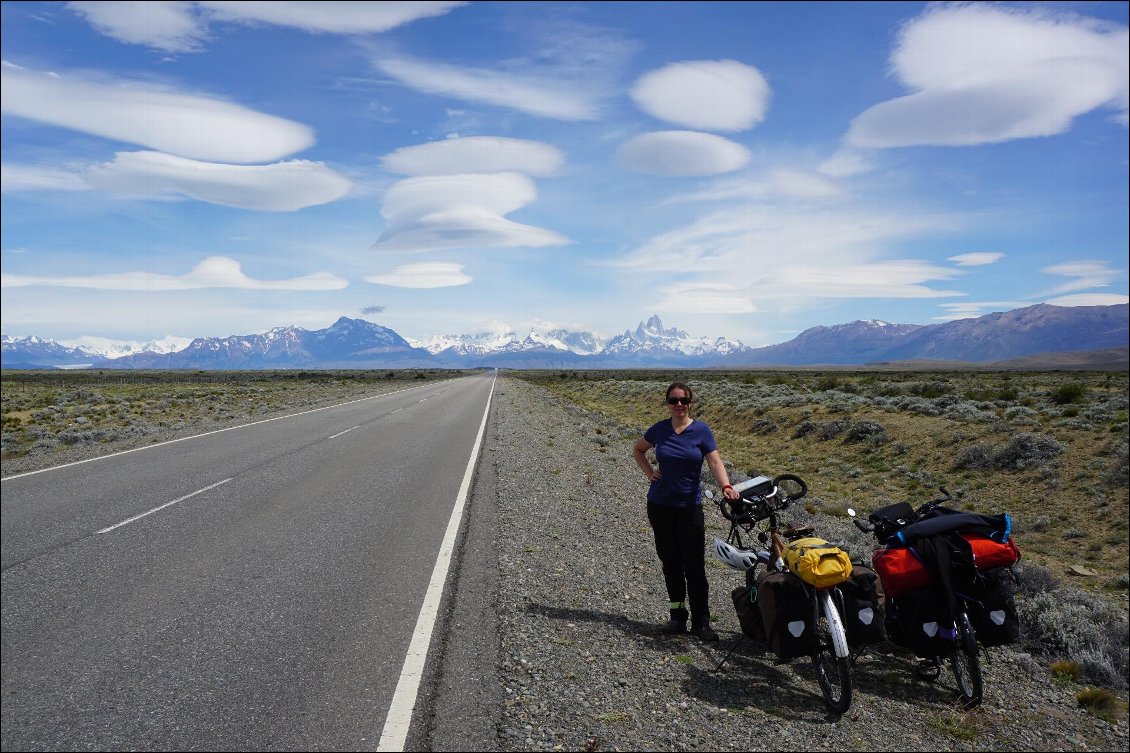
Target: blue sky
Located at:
point(746, 170)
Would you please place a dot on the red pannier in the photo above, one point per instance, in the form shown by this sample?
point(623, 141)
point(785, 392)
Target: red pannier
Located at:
point(900, 570)
point(990, 553)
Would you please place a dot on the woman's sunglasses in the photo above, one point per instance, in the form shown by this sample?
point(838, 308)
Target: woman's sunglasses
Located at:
point(678, 401)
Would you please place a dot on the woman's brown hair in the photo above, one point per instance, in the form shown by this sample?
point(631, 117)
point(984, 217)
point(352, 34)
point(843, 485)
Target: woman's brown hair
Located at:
point(680, 386)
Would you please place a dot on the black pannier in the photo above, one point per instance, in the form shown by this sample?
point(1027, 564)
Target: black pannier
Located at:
point(916, 621)
point(786, 613)
point(749, 612)
point(864, 607)
point(992, 608)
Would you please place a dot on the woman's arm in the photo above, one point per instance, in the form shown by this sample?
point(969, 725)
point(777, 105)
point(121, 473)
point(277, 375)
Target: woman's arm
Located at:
point(714, 462)
point(640, 452)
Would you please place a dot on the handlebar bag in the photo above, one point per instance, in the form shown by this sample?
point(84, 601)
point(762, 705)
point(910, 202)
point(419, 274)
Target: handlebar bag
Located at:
point(864, 606)
point(900, 513)
point(989, 554)
point(749, 612)
point(817, 562)
point(786, 613)
point(900, 569)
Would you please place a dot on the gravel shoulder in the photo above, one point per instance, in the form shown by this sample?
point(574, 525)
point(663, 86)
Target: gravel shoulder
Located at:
point(583, 667)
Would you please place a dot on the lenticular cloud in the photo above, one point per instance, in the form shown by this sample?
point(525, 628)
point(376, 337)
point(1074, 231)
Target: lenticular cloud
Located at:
point(281, 187)
point(711, 95)
point(476, 154)
point(984, 74)
point(682, 154)
point(461, 192)
point(460, 211)
point(187, 125)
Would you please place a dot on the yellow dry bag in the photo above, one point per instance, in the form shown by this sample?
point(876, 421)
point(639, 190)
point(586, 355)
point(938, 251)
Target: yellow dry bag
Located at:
point(817, 562)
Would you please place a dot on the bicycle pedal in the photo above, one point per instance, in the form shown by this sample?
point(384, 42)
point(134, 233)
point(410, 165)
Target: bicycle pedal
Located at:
point(928, 670)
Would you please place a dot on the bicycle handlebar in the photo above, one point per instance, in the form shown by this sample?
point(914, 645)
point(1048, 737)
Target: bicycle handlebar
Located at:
point(760, 506)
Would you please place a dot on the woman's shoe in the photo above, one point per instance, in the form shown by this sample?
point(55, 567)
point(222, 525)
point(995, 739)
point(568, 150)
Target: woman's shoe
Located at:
point(703, 631)
point(677, 625)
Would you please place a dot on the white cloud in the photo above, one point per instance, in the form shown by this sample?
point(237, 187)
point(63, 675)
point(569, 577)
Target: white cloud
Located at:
point(986, 74)
point(846, 162)
point(793, 256)
point(213, 272)
point(460, 211)
point(542, 95)
point(334, 17)
point(682, 154)
point(1089, 299)
point(1086, 274)
point(16, 177)
point(182, 26)
point(168, 26)
point(775, 183)
point(712, 95)
point(476, 154)
point(183, 124)
point(424, 275)
point(704, 298)
point(281, 187)
point(974, 309)
point(976, 258)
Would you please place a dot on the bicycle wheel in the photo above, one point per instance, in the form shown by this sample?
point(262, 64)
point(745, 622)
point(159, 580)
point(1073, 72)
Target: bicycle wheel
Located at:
point(790, 486)
point(830, 655)
point(966, 663)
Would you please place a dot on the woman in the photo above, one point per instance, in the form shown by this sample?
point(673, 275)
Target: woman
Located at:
point(674, 507)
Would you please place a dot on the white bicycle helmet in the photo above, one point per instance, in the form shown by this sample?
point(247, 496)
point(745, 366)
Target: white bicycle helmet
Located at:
point(739, 559)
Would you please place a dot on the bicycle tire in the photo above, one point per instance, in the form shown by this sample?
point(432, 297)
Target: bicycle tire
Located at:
point(830, 656)
point(965, 661)
point(792, 486)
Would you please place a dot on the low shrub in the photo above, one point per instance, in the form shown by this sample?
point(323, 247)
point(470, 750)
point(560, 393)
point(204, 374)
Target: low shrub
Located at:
point(871, 432)
point(1098, 701)
point(1024, 450)
point(1081, 627)
point(1072, 392)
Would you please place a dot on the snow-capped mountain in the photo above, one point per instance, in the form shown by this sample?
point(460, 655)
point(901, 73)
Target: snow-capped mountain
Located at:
point(483, 344)
point(651, 340)
point(355, 343)
point(107, 348)
point(34, 352)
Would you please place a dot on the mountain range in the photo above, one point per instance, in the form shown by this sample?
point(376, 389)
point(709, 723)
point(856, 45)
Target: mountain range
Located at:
point(1034, 331)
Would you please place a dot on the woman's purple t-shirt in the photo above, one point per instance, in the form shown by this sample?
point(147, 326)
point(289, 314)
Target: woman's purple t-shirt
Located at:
point(680, 459)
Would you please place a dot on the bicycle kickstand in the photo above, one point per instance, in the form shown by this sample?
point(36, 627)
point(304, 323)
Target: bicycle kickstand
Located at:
point(738, 642)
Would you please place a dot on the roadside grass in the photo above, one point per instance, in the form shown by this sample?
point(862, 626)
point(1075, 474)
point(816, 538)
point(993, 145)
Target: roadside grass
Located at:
point(47, 412)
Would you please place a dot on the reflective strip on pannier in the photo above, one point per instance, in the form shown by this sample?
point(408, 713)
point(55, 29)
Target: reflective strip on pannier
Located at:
point(786, 614)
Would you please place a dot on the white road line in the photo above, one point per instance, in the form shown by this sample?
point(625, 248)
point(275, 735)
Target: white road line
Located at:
point(396, 411)
point(162, 507)
point(399, 717)
point(335, 436)
point(205, 434)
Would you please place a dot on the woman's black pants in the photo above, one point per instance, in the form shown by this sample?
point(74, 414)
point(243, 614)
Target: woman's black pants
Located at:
point(680, 537)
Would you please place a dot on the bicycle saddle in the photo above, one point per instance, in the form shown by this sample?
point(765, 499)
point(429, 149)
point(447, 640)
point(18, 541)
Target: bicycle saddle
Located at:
point(798, 532)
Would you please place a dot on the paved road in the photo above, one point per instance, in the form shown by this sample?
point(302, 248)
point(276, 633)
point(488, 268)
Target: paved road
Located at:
point(268, 607)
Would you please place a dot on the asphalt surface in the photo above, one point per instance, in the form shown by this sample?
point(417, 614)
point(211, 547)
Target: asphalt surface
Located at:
point(266, 600)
